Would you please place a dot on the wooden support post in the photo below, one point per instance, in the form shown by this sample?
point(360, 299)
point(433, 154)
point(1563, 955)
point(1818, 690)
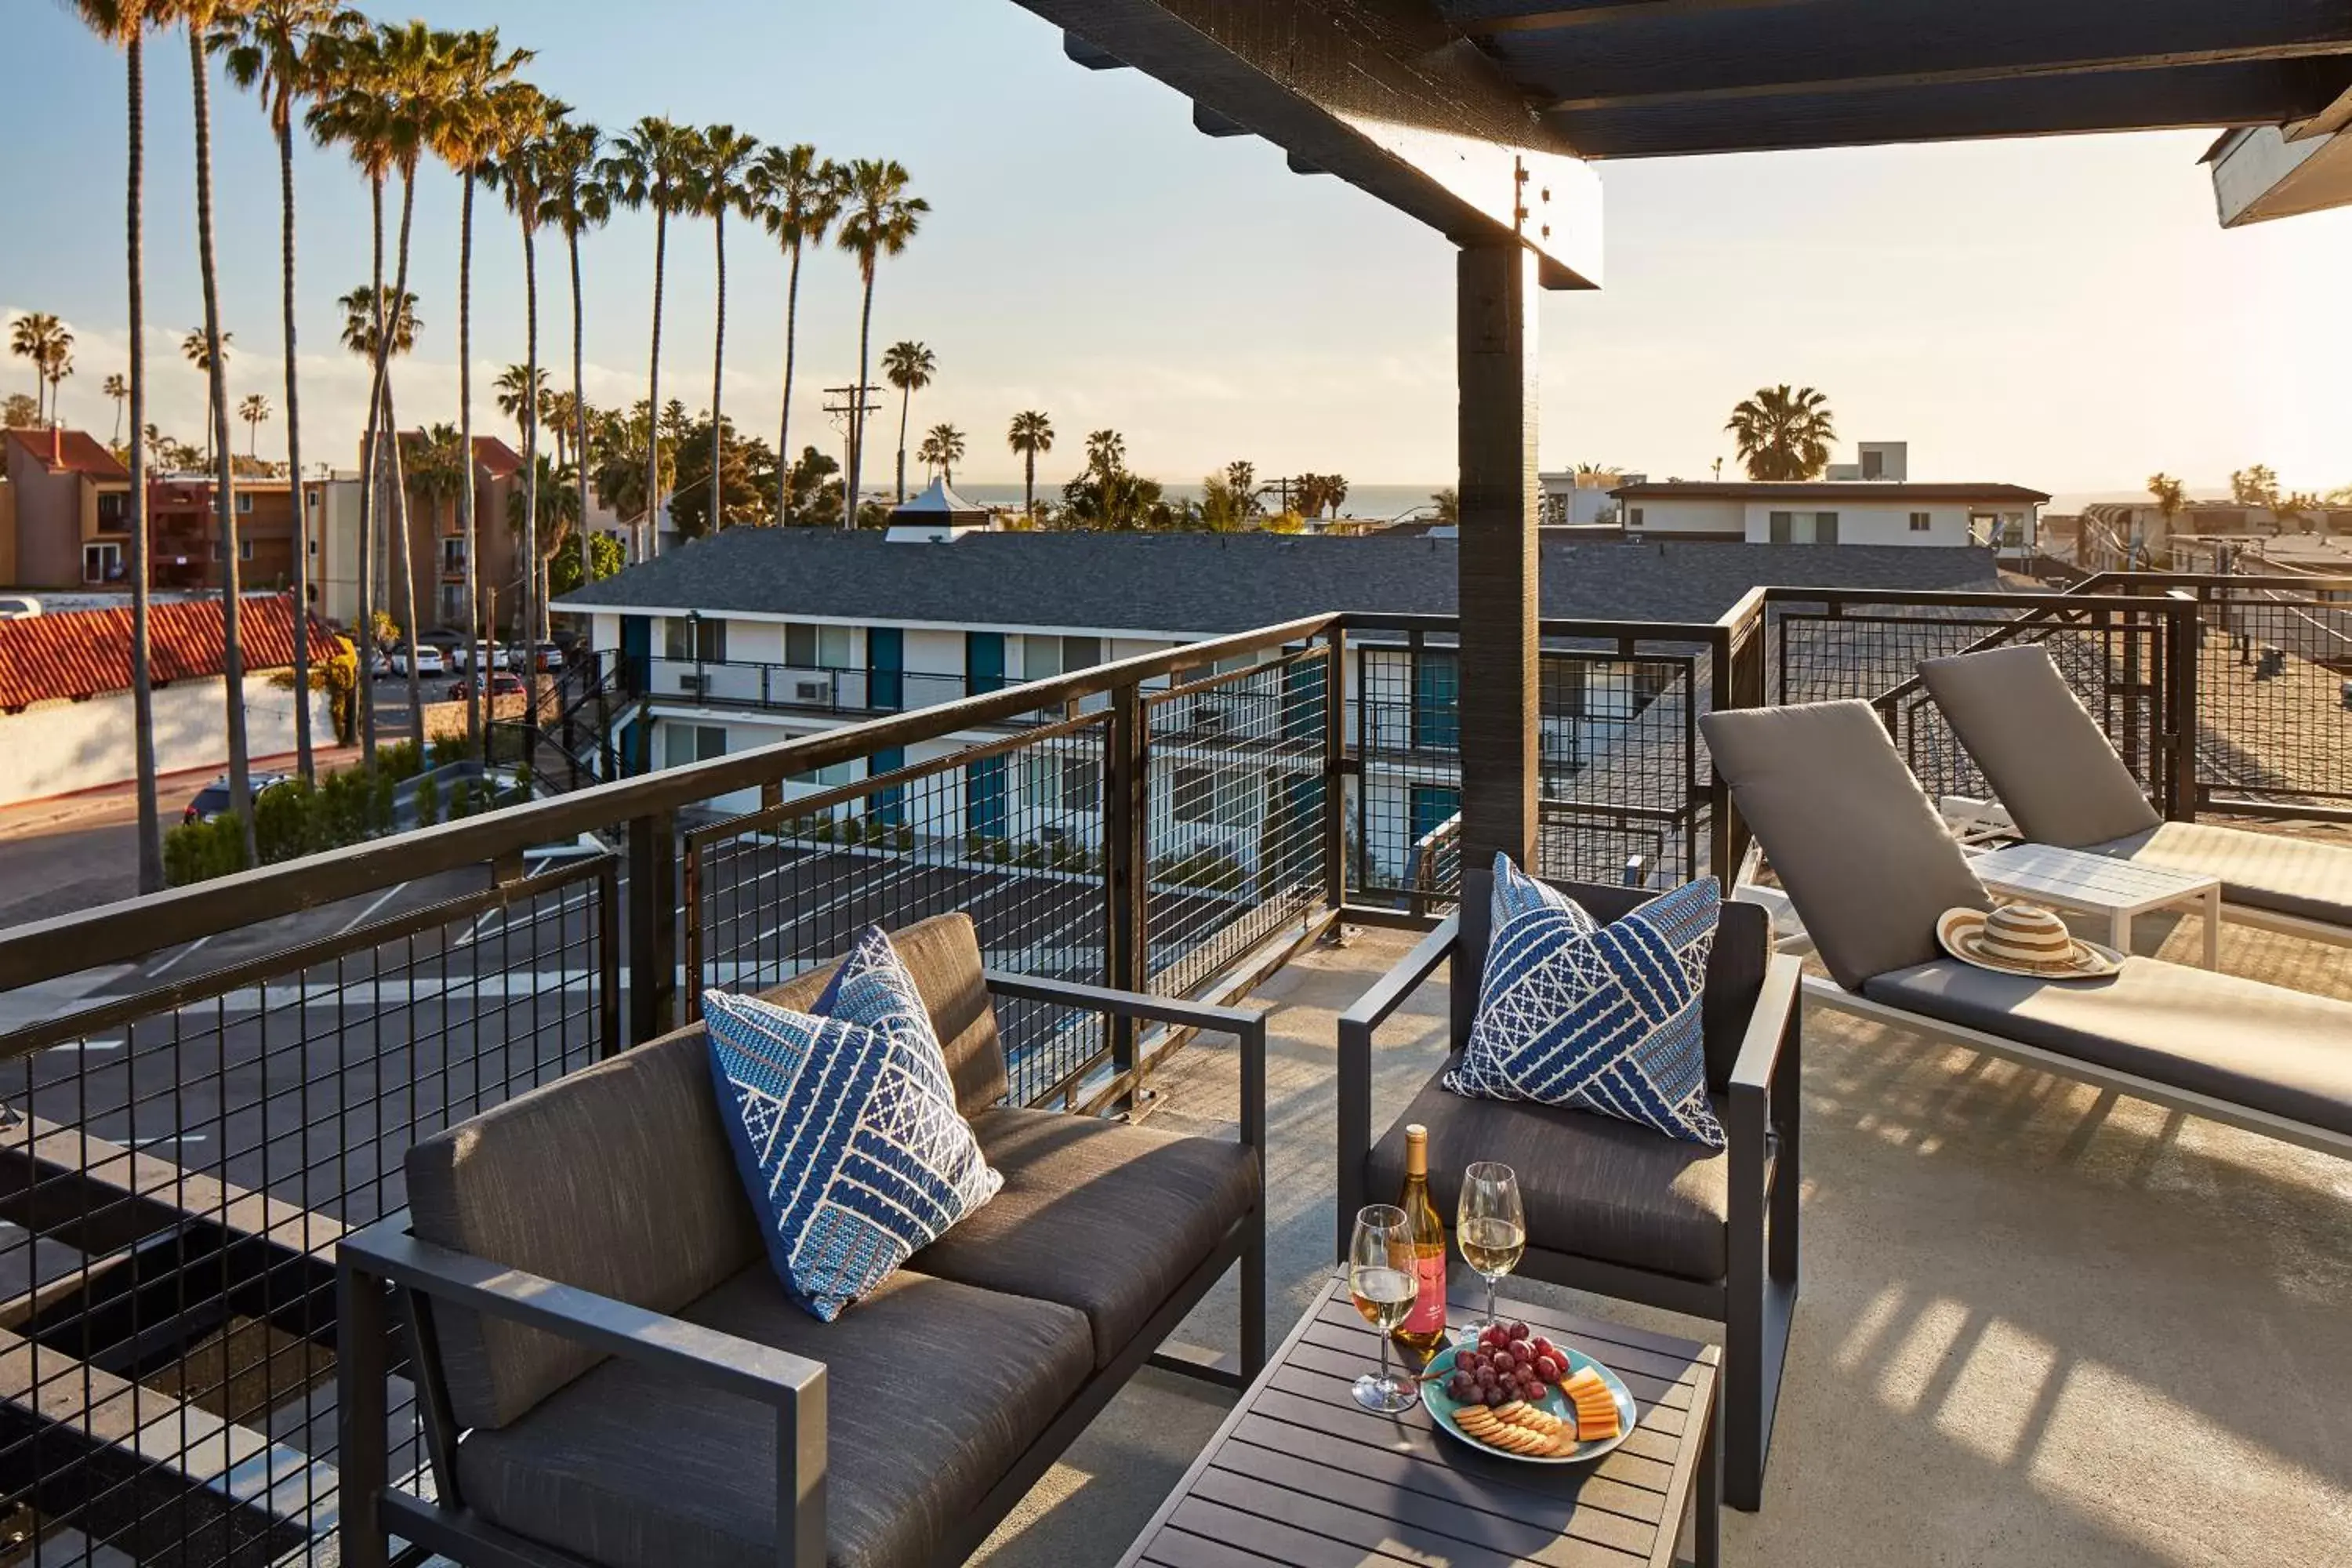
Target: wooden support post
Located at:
point(1127, 869)
point(1497, 568)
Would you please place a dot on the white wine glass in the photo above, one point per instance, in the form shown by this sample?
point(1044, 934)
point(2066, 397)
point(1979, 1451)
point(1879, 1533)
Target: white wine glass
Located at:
point(1492, 1226)
point(1381, 1277)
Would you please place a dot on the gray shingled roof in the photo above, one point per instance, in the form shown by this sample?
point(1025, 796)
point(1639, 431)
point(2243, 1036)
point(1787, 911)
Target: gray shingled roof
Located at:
point(1200, 584)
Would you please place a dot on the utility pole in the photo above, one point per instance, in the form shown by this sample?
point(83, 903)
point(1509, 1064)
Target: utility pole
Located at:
point(848, 407)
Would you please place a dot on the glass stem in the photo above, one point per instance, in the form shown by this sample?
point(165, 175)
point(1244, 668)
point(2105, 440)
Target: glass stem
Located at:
point(1491, 1319)
point(1386, 1380)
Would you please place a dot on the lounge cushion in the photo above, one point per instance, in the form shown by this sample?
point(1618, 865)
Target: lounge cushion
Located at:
point(2258, 870)
point(847, 1139)
point(615, 1179)
point(933, 1391)
point(1105, 1218)
point(943, 955)
point(1861, 849)
point(1592, 1185)
point(2256, 1045)
point(2040, 749)
point(1600, 1019)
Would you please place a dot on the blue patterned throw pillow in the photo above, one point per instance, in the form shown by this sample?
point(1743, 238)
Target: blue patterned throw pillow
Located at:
point(872, 987)
point(1600, 1019)
point(1478, 1074)
point(850, 1147)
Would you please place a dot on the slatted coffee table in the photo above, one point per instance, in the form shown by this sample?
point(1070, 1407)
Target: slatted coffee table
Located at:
point(1300, 1474)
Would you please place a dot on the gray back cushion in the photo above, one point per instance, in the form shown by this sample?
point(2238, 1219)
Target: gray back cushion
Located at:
point(2042, 752)
point(1863, 853)
point(943, 955)
point(617, 1179)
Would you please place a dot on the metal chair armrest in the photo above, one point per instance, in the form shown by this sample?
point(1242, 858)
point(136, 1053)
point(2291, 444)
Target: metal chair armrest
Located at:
point(1356, 1024)
point(1767, 1026)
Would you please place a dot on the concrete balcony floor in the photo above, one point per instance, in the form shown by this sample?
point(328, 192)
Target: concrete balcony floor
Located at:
point(2040, 1324)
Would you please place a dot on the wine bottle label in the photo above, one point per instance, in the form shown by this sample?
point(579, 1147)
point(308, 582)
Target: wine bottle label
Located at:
point(1428, 1314)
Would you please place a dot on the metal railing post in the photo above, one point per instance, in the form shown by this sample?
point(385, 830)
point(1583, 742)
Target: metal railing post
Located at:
point(1127, 875)
point(1335, 779)
point(2183, 625)
point(653, 926)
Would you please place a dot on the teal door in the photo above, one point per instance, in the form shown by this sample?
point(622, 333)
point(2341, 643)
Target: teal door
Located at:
point(984, 664)
point(885, 666)
point(1438, 701)
point(889, 804)
point(983, 798)
point(1433, 805)
point(636, 651)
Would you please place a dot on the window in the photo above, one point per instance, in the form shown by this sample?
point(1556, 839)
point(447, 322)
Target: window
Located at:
point(1784, 528)
point(1634, 518)
point(1064, 781)
point(1044, 656)
point(834, 777)
point(1873, 464)
point(695, 639)
point(244, 504)
point(684, 744)
point(819, 647)
point(1919, 522)
point(1825, 528)
point(101, 563)
point(245, 549)
point(453, 555)
point(1436, 701)
point(1206, 796)
point(113, 510)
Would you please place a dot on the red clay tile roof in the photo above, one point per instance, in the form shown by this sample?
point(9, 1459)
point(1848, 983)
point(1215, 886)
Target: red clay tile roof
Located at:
point(82, 453)
point(87, 653)
point(496, 458)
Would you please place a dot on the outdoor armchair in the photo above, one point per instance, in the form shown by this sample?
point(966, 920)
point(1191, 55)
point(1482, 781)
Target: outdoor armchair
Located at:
point(1614, 1208)
point(2064, 785)
point(1866, 860)
point(610, 1374)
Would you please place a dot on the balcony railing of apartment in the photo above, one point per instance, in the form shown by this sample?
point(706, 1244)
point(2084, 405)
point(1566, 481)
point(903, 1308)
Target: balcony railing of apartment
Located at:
point(205, 1087)
point(811, 688)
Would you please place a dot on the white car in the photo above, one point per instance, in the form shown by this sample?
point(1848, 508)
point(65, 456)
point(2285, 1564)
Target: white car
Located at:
point(428, 660)
point(18, 607)
point(486, 655)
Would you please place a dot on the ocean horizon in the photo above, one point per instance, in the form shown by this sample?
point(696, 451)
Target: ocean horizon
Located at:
point(1380, 502)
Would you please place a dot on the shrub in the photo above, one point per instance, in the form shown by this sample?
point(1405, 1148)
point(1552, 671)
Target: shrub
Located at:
point(286, 822)
point(199, 851)
point(428, 801)
point(451, 749)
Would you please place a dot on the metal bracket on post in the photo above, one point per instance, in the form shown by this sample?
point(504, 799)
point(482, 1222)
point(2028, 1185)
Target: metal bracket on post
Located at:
point(1128, 882)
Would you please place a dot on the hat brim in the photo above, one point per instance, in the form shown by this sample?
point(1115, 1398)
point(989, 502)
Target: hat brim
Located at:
point(1961, 934)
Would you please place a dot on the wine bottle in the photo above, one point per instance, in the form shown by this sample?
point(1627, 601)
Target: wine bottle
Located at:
point(1424, 1328)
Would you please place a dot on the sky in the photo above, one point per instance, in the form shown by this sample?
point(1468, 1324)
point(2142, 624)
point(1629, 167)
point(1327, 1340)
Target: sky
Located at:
point(2064, 314)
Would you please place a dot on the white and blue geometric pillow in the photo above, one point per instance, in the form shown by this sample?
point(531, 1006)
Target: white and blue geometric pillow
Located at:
point(1516, 893)
point(1604, 1018)
point(872, 986)
point(852, 1150)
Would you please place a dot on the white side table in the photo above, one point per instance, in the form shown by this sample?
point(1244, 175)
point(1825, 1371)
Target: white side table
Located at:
point(2094, 884)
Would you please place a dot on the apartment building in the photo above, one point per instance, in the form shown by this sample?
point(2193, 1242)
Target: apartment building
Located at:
point(65, 512)
point(759, 634)
point(188, 548)
point(437, 540)
point(1894, 513)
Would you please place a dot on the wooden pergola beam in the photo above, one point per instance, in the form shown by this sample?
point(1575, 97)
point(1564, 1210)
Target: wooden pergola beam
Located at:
point(1381, 93)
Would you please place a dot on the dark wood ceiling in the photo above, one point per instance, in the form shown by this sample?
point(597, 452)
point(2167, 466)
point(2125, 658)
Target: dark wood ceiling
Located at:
point(1619, 79)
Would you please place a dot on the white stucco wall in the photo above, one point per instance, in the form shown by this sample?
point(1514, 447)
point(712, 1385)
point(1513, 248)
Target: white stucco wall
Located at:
point(1887, 523)
point(59, 747)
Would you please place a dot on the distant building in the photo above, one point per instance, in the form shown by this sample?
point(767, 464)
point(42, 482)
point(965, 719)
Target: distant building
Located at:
point(1888, 460)
point(65, 512)
point(2005, 518)
point(1583, 499)
point(187, 549)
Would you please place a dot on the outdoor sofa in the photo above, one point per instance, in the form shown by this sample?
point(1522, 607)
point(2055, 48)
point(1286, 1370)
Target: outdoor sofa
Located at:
point(1866, 860)
point(2063, 784)
point(1615, 1208)
point(609, 1371)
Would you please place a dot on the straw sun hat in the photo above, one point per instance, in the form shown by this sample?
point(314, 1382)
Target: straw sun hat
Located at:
point(2023, 939)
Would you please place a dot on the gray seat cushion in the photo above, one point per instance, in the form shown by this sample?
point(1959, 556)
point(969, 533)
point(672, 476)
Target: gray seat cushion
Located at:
point(1593, 1186)
point(933, 1390)
point(2258, 870)
point(942, 953)
point(1863, 852)
point(2256, 1045)
point(2042, 753)
point(1101, 1217)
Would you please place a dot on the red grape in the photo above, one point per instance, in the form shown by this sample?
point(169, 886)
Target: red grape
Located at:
point(1519, 1331)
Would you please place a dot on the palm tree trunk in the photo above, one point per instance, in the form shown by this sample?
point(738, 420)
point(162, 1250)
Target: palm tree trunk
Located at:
point(304, 762)
point(142, 691)
point(653, 394)
point(580, 403)
point(718, 371)
point(370, 496)
point(466, 441)
point(240, 774)
point(1029, 484)
point(400, 522)
point(784, 424)
point(857, 404)
point(534, 601)
point(906, 407)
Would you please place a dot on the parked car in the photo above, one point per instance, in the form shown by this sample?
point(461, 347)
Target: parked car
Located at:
point(491, 655)
point(18, 607)
point(212, 801)
point(550, 659)
point(428, 660)
point(500, 685)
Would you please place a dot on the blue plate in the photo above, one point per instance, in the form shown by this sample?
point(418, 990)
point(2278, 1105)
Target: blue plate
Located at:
point(1442, 1408)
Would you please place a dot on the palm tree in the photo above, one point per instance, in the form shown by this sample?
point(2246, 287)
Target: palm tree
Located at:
point(556, 410)
point(910, 368)
point(118, 389)
point(60, 366)
point(723, 184)
point(882, 218)
point(255, 412)
point(464, 138)
point(1106, 453)
point(2171, 496)
point(125, 22)
point(944, 447)
point(372, 319)
point(800, 195)
point(1031, 435)
point(520, 172)
point(1784, 434)
point(280, 49)
point(196, 349)
point(577, 201)
point(42, 339)
point(440, 471)
point(515, 403)
point(652, 166)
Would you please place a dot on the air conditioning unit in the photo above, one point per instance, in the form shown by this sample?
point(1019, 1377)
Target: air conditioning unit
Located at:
point(1053, 834)
point(692, 682)
point(812, 690)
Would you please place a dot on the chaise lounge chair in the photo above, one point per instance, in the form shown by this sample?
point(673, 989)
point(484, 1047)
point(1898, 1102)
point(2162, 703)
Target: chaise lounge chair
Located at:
point(2050, 764)
point(1866, 862)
